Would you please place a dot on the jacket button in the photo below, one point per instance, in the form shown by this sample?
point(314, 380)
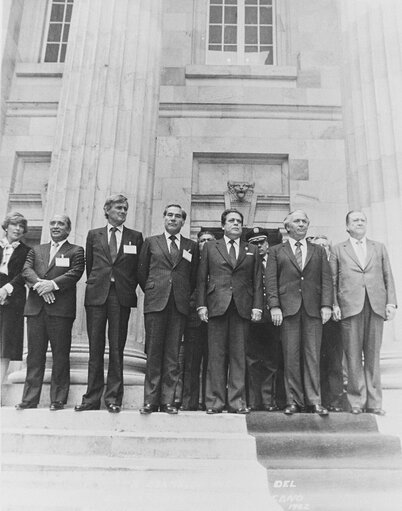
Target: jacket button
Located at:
point(302, 278)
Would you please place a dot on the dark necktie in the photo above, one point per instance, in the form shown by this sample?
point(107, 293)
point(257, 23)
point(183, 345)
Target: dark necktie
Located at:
point(232, 253)
point(298, 255)
point(113, 244)
point(174, 251)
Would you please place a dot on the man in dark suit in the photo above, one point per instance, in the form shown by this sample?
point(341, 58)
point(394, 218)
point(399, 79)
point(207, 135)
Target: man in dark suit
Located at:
point(51, 271)
point(167, 275)
point(195, 347)
point(229, 295)
point(365, 297)
point(300, 297)
point(111, 265)
point(263, 350)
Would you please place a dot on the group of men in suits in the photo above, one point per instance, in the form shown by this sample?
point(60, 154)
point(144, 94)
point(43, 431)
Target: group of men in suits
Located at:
point(246, 292)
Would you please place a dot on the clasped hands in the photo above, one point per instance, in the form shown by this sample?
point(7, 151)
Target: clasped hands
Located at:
point(45, 289)
point(203, 314)
point(3, 295)
point(277, 316)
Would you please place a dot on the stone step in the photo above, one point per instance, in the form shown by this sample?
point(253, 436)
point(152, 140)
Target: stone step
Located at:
point(326, 444)
point(125, 421)
point(272, 463)
point(278, 422)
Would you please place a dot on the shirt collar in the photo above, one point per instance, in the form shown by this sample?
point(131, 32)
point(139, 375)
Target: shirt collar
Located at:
point(59, 243)
point(228, 240)
point(355, 241)
point(178, 236)
point(303, 241)
point(118, 227)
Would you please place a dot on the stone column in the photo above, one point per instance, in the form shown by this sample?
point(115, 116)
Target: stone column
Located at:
point(105, 135)
point(372, 84)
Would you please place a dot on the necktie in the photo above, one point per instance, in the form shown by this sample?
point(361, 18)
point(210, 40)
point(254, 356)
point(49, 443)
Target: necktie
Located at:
point(298, 255)
point(360, 253)
point(174, 251)
point(232, 253)
point(113, 244)
point(53, 251)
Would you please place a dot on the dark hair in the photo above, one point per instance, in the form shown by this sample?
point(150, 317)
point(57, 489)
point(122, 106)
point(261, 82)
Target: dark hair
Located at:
point(117, 198)
point(183, 213)
point(205, 231)
point(354, 211)
point(15, 218)
point(66, 219)
point(227, 212)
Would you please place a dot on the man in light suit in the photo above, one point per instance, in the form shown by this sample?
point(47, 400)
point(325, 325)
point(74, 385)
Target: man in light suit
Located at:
point(167, 275)
point(300, 297)
point(111, 264)
point(51, 272)
point(364, 297)
point(229, 295)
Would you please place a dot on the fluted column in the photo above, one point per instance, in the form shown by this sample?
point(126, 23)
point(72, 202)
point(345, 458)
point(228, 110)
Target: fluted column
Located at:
point(106, 129)
point(372, 85)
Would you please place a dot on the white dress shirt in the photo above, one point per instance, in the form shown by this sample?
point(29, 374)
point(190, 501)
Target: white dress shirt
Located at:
point(236, 244)
point(360, 248)
point(119, 234)
point(303, 247)
point(169, 241)
point(54, 249)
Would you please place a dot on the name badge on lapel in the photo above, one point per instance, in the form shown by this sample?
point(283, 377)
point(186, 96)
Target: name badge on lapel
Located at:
point(130, 249)
point(63, 262)
point(187, 255)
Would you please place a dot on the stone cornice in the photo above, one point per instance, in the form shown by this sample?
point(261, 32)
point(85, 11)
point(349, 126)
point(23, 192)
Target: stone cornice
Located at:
point(32, 108)
point(248, 72)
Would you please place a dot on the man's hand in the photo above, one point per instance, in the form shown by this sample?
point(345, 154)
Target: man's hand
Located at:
point(325, 314)
point(43, 287)
point(276, 315)
point(203, 314)
point(256, 315)
point(49, 297)
point(390, 312)
point(336, 313)
point(3, 295)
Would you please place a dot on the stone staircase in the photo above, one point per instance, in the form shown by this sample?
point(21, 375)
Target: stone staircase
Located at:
point(65, 461)
point(338, 463)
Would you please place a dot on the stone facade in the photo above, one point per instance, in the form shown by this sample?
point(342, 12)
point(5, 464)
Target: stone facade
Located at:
point(136, 108)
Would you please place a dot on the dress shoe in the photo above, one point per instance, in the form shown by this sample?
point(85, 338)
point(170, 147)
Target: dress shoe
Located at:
point(25, 406)
point(291, 409)
point(256, 408)
point(335, 409)
point(83, 407)
point(171, 409)
point(113, 408)
point(321, 410)
point(213, 411)
point(270, 408)
point(356, 410)
point(376, 411)
point(56, 405)
point(148, 408)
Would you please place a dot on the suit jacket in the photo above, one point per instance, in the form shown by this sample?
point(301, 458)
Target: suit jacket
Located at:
point(352, 281)
point(218, 281)
point(66, 277)
point(14, 277)
point(289, 286)
point(158, 276)
point(100, 267)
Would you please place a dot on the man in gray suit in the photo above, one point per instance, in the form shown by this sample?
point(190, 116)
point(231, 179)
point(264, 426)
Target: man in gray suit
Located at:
point(364, 297)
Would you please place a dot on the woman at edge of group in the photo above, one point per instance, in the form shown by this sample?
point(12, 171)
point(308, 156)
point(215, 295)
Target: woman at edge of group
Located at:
point(13, 253)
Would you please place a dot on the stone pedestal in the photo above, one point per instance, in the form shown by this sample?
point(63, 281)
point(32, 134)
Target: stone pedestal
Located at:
point(372, 83)
point(105, 135)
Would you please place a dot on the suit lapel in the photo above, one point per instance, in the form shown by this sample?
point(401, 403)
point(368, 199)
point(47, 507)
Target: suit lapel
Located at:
point(310, 250)
point(161, 240)
point(289, 252)
point(221, 246)
point(242, 252)
point(351, 253)
point(104, 243)
point(123, 242)
point(61, 252)
point(45, 253)
point(370, 251)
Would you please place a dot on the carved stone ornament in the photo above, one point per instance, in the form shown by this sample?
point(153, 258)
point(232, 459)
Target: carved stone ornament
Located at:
point(240, 189)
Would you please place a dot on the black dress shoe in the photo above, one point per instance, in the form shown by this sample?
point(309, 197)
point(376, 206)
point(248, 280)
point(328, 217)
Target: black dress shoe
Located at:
point(113, 408)
point(56, 405)
point(25, 406)
point(213, 411)
point(258, 408)
point(376, 411)
point(171, 409)
point(291, 409)
point(321, 410)
point(148, 408)
point(335, 409)
point(356, 410)
point(270, 408)
point(83, 407)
